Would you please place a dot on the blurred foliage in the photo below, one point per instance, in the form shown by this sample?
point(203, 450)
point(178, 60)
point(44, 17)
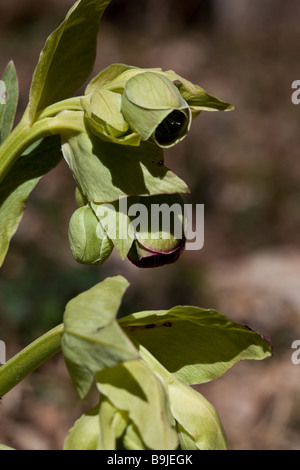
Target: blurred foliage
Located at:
point(242, 165)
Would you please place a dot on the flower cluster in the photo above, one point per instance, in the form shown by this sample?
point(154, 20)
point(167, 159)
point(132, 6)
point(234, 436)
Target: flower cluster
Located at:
point(130, 115)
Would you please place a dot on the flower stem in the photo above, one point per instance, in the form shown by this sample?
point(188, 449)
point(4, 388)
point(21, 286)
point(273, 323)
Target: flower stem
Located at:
point(29, 359)
point(26, 134)
point(70, 104)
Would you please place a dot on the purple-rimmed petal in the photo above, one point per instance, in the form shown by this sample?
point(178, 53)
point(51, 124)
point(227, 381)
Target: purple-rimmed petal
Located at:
point(144, 258)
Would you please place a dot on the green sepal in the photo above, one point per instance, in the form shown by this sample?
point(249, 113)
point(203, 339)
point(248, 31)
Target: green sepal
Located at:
point(197, 416)
point(132, 439)
point(116, 223)
point(115, 77)
point(92, 339)
point(117, 431)
point(104, 106)
point(89, 242)
point(104, 118)
point(196, 97)
point(107, 433)
point(133, 388)
point(187, 442)
point(194, 413)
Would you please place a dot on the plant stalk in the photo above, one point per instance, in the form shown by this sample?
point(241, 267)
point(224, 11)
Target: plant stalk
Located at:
point(26, 134)
point(30, 358)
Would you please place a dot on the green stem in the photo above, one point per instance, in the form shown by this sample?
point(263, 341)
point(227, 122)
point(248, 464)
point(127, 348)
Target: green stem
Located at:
point(26, 134)
point(29, 359)
point(70, 104)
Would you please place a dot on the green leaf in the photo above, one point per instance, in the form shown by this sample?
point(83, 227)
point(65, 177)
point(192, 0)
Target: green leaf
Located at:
point(68, 56)
point(195, 344)
point(85, 433)
point(106, 171)
point(92, 338)
point(195, 415)
point(8, 104)
point(4, 447)
point(18, 184)
point(134, 388)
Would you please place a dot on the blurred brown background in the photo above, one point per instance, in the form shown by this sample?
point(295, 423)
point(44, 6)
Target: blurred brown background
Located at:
point(244, 166)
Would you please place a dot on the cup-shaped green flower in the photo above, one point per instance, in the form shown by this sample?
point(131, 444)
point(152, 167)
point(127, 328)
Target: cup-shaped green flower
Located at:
point(127, 105)
point(88, 241)
point(159, 231)
point(155, 109)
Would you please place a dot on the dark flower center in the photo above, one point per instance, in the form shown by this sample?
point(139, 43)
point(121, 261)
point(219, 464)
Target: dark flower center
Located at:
point(174, 125)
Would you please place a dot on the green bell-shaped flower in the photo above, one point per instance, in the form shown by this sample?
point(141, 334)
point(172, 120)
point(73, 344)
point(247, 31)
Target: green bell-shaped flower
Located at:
point(159, 238)
point(127, 105)
point(89, 242)
point(155, 109)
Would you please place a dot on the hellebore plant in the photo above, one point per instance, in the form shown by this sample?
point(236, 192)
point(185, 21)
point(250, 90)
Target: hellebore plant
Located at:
point(112, 139)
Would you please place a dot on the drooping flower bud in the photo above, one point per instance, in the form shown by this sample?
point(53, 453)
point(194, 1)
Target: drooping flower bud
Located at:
point(143, 258)
point(160, 236)
point(89, 242)
point(127, 105)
